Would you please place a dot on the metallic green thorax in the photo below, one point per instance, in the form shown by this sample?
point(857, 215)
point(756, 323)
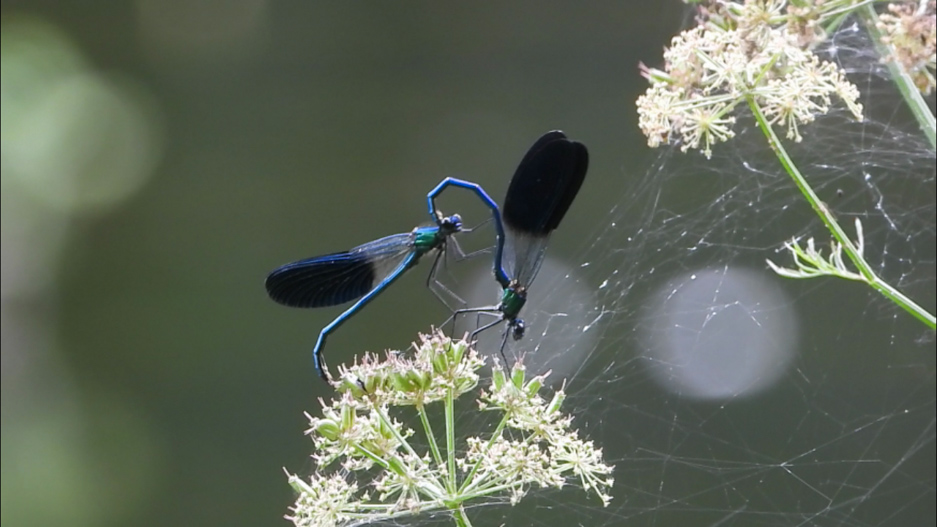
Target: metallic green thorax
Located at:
point(512, 300)
point(426, 239)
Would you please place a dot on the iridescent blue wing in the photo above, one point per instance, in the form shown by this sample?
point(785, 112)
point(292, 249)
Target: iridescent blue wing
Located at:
point(336, 278)
point(544, 186)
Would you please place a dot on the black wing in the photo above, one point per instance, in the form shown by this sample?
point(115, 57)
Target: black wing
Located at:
point(545, 184)
point(336, 278)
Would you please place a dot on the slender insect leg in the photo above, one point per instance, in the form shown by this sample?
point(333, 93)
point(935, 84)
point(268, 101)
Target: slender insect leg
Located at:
point(504, 341)
point(486, 310)
point(462, 255)
point(491, 324)
point(436, 286)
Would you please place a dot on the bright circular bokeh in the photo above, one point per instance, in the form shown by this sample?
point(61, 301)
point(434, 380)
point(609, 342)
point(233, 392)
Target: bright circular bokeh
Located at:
point(717, 334)
point(73, 138)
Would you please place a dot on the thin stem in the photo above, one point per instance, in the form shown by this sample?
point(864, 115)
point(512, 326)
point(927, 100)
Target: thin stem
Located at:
point(396, 433)
point(493, 487)
point(460, 518)
point(838, 15)
point(494, 437)
point(430, 436)
point(372, 456)
point(450, 441)
point(912, 95)
point(854, 255)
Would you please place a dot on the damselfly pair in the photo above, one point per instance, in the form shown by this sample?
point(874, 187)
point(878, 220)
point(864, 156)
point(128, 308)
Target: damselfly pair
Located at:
point(543, 187)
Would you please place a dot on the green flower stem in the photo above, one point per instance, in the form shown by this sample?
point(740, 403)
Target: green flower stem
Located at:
point(492, 487)
point(494, 437)
point(837, 14)
point(458, 513)
point(400, 439)
point(450, 441)
point(863, 267)
point(460, 518)
point(430, 436)
point(912, 95)
point(396, 433)
point(372, 456)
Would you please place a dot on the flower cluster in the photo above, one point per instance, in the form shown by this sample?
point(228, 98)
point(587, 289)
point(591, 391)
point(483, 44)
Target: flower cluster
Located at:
point(911, 29)
point(749, 57)
point(372, 467)
point(429, 375)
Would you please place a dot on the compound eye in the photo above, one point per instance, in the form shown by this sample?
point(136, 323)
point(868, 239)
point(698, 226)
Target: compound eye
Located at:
point(452, 223)
point(519, 329)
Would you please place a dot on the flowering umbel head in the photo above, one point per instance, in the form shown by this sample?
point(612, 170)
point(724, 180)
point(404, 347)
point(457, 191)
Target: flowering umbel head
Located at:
point(910, 28)
point(745, 55)
point(437, 366)
point(368, 468)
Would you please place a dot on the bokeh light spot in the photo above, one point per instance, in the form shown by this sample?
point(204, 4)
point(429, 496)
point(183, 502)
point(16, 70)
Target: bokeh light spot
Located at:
point(719, 334)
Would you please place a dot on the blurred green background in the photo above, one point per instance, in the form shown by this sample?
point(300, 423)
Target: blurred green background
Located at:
point(161, 157)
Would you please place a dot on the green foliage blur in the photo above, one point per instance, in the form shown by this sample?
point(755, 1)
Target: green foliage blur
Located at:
point(159, 158)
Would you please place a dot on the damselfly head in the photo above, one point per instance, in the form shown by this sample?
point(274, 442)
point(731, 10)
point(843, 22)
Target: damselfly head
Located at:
point(517, 329)
point(450, 224)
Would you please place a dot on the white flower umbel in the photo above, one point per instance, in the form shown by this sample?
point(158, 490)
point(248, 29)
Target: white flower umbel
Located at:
point(910, 28)
point(710, 70)
point(757, 54)
point(371, 467)
point(906, 38)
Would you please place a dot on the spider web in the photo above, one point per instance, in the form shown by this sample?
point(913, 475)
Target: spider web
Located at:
point(724, 394)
